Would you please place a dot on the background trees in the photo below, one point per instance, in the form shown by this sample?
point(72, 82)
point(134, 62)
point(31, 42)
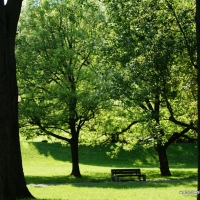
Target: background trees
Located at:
point(136, 59)
point(58, 72)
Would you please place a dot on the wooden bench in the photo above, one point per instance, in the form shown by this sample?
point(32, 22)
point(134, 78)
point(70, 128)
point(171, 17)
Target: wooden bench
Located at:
point(117, 173)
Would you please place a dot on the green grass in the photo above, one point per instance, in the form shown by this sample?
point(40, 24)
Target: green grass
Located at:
point(46, 163)
point(125, 191)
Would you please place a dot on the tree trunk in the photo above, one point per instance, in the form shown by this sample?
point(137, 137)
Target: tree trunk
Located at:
point(75, 157)
point(12, 182)
point(163, 160)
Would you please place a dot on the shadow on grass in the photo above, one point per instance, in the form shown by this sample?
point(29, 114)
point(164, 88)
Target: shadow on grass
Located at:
point(123, 184)
point(65, 179)
point(152, 175)
point(141, 184)
point(180, 155)
point(97, 156)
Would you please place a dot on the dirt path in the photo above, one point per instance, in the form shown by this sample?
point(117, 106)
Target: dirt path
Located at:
point(125, 182)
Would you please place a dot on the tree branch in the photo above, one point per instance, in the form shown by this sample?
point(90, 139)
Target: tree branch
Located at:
point(176, 136)
point(149, 105)
point(127, 128)
point(183, 33)
point(172, 118)
point(42, 128)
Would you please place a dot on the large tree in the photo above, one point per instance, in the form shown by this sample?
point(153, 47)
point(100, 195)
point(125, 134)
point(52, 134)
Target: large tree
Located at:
point(152, 46)
point(59, 76)
point(12, 182)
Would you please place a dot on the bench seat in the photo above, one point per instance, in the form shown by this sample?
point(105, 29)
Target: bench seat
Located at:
point(117, 173)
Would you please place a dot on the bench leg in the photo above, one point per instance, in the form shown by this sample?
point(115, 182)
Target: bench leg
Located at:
point(143, 177)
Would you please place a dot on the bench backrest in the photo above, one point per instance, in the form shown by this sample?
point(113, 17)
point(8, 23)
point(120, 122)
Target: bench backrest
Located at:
point(125, 171)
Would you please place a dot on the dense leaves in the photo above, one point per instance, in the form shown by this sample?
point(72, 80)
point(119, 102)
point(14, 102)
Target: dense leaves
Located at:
point(151, 46)
point(124, 69)
point(58, 73)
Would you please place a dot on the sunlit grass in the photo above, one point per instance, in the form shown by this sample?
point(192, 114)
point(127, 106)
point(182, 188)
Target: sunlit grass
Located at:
point(46, 163)
point(117, 191)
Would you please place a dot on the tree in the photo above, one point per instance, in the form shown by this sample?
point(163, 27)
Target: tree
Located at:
point(12, 182)
point(149, 47)
point(58, 69)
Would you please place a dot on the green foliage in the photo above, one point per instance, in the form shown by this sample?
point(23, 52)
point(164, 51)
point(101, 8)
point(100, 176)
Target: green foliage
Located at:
point(120, 71)
point(150, 58)
point(56, 48)
point(142, 56)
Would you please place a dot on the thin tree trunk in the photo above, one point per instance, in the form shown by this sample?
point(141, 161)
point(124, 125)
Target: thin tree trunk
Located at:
point(163, 160)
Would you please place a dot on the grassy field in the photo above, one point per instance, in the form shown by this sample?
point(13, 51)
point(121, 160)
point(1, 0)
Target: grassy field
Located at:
point(50, 163)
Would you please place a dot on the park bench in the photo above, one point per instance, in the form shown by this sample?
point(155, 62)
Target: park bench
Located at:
point(117, 173)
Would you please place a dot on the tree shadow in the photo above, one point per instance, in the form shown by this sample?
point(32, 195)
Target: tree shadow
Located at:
point(94, 155)
point(65, 179)
point(38, 181)
point(138, 184)
point(55, 150)
point(104, 177)
point(179, 155)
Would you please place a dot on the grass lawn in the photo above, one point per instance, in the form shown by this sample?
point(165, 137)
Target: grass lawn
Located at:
point(119, 191)
point(46, 163)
